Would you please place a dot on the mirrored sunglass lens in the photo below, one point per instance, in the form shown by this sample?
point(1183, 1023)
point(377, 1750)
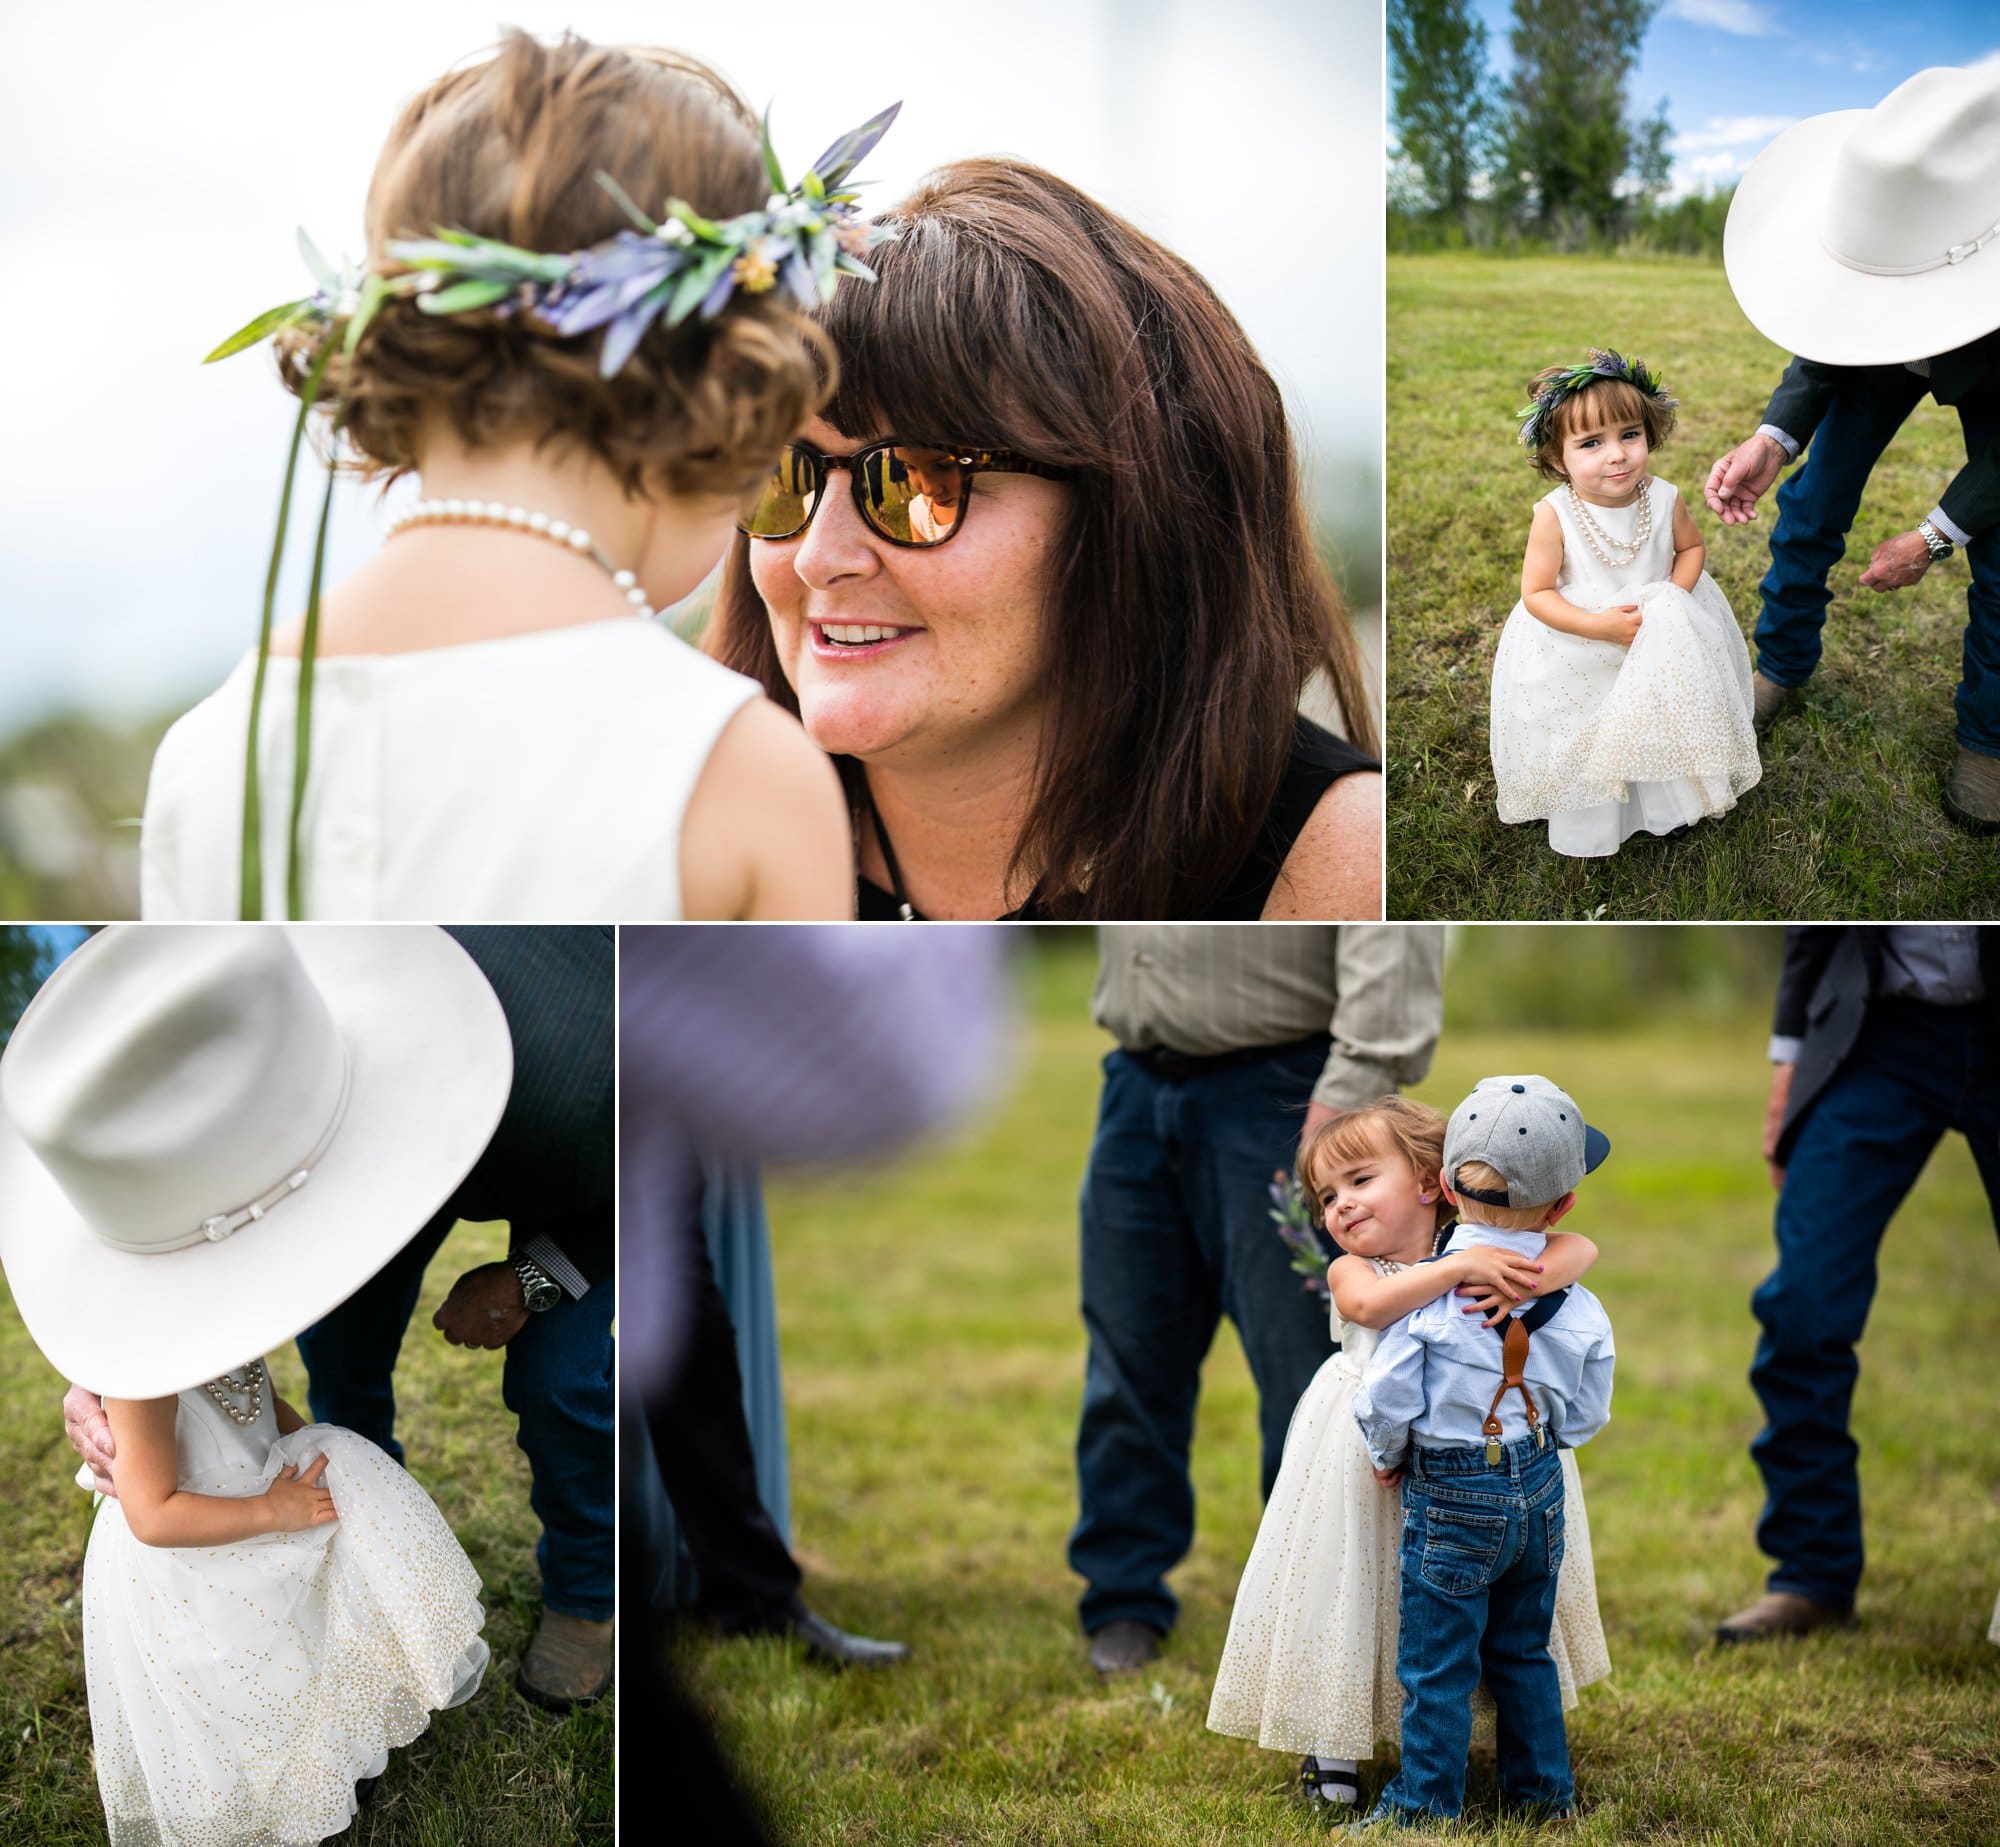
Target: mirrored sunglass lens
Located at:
point(913, 496)
point(787, 499)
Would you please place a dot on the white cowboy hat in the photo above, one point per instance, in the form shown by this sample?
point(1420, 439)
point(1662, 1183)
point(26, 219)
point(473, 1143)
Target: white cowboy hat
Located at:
point(1868, 236)
point(210, 1135)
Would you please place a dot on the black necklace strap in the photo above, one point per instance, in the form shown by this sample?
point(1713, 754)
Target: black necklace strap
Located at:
point(905, 909)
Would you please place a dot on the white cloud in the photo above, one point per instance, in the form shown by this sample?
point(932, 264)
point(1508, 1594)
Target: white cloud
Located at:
point(1731, 131)
point(1715, 166)
point(1744, 18)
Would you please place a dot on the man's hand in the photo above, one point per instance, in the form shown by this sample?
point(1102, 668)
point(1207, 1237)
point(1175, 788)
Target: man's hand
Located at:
point(1316, 1113)
point(89, 1433)
point(485, 1308)
point(1774, 1120)
point(1897, 563)
point(1736, 481)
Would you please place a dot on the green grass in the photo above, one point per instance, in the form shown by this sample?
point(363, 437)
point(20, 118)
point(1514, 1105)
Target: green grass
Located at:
point(1846, 822)
point(934, 1364)
point(497, 1772)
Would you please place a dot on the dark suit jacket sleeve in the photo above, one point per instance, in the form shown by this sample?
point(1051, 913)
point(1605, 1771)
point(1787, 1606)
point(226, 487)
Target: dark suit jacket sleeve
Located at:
point(1802, 398)
point(587, 1238)
point(1972, 501)
point(1808, 948)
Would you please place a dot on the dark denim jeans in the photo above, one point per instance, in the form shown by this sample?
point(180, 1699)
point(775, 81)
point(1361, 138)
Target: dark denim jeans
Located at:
point(1481, 1546)
point(1177, 1233)
point(1915, 1072)
point(557, 1379)
point(1817, 505)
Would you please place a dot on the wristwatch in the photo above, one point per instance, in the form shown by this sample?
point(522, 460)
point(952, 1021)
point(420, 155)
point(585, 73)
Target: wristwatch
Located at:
point(1939, 547)
point(539, 1290)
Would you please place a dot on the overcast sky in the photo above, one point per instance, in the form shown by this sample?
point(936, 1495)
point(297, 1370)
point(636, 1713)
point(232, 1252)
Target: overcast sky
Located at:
point(154, 162)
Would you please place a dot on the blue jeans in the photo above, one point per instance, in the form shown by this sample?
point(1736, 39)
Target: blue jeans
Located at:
point(1481, 1546)
point(1176, 1233)
point(557, 1379)
point(1817, 505)
point(1915, 1072)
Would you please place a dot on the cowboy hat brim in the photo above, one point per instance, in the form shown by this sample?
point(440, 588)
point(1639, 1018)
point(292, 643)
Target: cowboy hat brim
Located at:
point(431, 1064)
point(1807, 301)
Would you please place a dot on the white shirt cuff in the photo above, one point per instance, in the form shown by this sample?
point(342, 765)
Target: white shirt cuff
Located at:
point(559, 1267)
point(1784, 1050)
point(1787, 443)
point(1949, 528)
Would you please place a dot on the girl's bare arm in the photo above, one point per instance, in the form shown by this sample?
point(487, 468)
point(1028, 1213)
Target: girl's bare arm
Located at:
point(1690, 554)
point(162, 1513)
point(288, 1419)
point(1543, 601)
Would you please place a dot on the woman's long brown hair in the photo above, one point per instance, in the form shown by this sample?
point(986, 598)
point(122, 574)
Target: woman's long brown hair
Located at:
point(1186, 606)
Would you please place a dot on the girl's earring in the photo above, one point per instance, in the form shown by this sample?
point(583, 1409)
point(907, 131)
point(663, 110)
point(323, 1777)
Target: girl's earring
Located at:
point(1424, 1199)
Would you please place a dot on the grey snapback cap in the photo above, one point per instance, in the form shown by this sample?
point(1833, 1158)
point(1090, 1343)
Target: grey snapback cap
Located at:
point(1529, 1131)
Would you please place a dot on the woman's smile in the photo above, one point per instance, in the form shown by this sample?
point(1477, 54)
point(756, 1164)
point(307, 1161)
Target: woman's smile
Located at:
point(846, 641)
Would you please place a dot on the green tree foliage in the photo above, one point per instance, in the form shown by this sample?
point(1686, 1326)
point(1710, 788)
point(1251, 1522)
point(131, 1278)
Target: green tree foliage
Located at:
point(1568, 144)
point(24, 965)
point(1441, 99)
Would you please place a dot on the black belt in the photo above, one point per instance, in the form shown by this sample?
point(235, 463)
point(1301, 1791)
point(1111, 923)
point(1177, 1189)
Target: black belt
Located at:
point(1173, 1067)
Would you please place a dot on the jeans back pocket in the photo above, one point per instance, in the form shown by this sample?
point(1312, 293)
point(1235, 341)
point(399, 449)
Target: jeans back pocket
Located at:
point(1553, 1535)
point(1461, 1548)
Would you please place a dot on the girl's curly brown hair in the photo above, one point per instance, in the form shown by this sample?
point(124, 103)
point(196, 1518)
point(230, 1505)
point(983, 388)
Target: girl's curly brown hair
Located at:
point(510, 148)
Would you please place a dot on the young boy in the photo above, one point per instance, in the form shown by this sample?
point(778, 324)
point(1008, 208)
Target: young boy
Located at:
point(1470, 1419)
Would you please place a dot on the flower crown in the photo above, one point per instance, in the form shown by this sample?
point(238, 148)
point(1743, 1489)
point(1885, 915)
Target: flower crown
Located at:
point(1560, 382)
point(806, 238)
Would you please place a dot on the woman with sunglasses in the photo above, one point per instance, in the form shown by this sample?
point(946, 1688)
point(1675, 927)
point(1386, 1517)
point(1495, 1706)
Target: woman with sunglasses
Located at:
point(1039, 579)
point(483, 722)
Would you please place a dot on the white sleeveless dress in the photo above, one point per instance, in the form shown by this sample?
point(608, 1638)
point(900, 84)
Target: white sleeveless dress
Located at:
point(539, 777)
point(1310, 1663)
point(1604, 742)
point(238, 1692)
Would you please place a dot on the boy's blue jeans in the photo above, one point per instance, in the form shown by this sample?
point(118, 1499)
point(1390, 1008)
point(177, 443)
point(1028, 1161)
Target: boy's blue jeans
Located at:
point(1481, 1546)
point(1817, 505)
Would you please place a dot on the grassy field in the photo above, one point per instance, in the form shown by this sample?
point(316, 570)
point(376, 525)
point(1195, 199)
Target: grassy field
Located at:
point(934, 1364)
point(1846, 822)
point(495, 1773)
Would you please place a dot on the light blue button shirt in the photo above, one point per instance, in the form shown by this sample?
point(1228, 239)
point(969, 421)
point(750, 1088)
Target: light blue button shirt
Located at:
point(1436, 1370)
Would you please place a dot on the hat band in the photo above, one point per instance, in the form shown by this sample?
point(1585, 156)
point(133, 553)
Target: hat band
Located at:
point(221, 1225)
point(1951, 258)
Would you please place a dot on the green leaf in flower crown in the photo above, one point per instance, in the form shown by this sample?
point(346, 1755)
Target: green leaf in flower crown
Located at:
point(458, 297)
point(853, 266)
point(695, 283)
point(624, 202)
point(813, 187)
point(771, 166)
point(261, 328)
point(374, 291)
point(703, 228)
point(322, 270)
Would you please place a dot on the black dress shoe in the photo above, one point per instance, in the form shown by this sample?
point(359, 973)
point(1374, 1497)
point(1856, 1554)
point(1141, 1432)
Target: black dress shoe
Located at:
point(824, 1643)
point(1123, 1647)
point(363, 1789)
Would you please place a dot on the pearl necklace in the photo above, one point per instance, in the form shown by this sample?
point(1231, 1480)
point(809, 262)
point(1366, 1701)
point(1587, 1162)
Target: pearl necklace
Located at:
point(251, 1385)
point(1598, 539)
point(520, 519)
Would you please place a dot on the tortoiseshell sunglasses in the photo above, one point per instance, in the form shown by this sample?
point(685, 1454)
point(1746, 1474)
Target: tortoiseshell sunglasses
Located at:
point(911, 494)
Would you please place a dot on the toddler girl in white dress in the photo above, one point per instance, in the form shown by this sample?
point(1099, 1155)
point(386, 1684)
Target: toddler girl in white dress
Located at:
point(269, 1608)
point(1310, 1663)
point(1621, 688)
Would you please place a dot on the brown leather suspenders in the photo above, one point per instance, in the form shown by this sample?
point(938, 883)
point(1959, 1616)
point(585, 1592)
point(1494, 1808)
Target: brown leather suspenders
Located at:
point(1514, 1365)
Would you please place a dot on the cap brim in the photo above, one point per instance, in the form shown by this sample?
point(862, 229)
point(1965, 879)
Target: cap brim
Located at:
point(431, 1068)
point(1596, 1145)
point(1810, 303)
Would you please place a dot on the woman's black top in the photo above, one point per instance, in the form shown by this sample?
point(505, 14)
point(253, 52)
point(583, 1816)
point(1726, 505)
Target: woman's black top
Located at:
point(1319, 759)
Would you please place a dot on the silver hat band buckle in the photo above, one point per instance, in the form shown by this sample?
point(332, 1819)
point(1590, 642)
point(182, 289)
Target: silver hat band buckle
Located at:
point(1951, 259)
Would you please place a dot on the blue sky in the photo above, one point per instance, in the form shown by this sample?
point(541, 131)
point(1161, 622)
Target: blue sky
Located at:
point(1734, 73)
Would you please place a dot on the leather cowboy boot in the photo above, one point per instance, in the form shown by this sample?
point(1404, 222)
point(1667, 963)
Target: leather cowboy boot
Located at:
point(1767, 700)
point(1780, 1612)
point(568, 1664)
point(1972, 792)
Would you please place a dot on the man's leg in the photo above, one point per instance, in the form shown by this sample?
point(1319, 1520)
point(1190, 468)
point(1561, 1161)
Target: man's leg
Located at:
point(560, 1382)
point(1977, 702)
point(1856, 1156)
point(1240, 1128)
point(1150, 1309)
point(350, 1353)
point(1816, 507)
